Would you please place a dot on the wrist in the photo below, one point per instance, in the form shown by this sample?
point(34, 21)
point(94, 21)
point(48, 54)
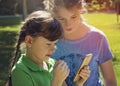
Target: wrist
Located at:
point(80, 83)
point(56, 82)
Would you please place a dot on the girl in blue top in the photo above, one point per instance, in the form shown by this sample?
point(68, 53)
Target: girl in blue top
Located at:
point(80, 39)
point(39, 34)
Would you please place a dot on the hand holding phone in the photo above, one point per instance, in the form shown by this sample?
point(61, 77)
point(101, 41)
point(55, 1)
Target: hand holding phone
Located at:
point(84, 63)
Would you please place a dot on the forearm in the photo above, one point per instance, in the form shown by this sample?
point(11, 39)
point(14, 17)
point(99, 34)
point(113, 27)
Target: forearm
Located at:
point(112, 83)
point(108, 73)
point(55, 82)
point(80, 83)
point(64, 84)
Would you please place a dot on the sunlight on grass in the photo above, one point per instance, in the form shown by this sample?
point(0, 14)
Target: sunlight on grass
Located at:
point(10, 28)
point(101, 18)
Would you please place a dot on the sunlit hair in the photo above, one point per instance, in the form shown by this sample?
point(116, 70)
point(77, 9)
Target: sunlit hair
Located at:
point(39, 23)
point(54, 5)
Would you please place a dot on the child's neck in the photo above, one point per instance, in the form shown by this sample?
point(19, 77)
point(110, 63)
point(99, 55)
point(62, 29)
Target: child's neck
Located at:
point(42, 64)
point(80, 33)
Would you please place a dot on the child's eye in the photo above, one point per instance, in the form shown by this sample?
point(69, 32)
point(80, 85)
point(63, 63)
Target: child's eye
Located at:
point(55, 43)
point(61, 19)
point(48, 44)
point(73, 17)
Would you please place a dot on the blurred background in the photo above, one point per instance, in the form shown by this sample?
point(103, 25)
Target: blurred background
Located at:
point(104, 14)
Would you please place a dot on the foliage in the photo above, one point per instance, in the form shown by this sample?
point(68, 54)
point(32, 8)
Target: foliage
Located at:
point(7, 7)
point(100, 5)
point(10, 20)
point(7, 41)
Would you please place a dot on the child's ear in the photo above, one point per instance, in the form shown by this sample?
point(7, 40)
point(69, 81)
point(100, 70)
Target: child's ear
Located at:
point(28, 40)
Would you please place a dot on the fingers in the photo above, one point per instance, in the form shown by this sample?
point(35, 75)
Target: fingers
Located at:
point(61, 71)
point(85, 72)
point(62, 67)
point(58, 62)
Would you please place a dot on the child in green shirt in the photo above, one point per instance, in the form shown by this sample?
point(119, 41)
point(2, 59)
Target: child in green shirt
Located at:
point(38, 34)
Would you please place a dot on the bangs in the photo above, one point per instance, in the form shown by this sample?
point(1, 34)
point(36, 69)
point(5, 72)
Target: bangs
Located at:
point(54, 31)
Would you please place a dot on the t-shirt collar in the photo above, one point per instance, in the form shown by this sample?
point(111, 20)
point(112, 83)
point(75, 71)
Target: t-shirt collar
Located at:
point(30, 64)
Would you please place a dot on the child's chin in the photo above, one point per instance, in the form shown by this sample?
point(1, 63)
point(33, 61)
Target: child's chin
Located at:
point(47, 59)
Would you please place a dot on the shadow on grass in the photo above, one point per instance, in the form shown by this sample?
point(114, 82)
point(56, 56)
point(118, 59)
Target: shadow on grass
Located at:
point(7, 42)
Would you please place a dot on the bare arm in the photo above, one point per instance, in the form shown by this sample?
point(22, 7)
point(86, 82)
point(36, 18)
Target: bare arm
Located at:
point(108, 73)
point(64, 83)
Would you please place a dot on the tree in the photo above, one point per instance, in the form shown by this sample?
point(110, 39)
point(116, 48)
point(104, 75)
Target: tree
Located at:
point(7, 7)
point(117, 8)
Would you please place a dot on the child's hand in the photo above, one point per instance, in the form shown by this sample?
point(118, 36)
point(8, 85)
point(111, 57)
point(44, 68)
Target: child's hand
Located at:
point(61, 71)
point(84, 74)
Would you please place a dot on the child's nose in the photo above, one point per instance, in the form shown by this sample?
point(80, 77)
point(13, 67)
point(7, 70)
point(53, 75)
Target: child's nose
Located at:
point(68, 23)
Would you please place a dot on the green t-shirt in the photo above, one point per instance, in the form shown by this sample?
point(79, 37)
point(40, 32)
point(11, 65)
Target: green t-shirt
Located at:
point(27, 73)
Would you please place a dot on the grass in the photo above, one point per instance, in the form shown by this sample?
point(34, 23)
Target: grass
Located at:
point(105, 22)
point(12, 28)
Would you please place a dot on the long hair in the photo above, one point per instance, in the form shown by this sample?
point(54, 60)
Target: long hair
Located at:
point(38, 23)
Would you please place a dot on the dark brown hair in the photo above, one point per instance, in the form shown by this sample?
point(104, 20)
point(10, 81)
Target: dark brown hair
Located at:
point(39, 23)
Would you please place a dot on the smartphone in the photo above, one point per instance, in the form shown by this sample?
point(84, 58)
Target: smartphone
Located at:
point(85, 62)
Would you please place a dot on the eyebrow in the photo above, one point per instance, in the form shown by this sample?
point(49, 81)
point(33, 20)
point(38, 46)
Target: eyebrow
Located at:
point(59, 16)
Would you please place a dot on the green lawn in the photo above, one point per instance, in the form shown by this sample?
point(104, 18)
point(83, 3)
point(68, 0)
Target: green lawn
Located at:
point(106, 22)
